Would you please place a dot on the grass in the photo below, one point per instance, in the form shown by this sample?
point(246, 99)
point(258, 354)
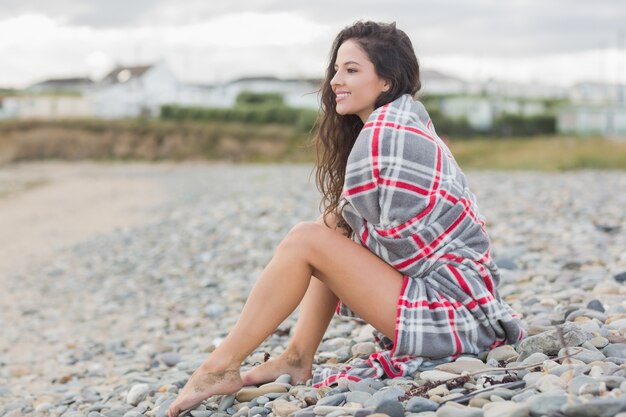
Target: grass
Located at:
point(549, 153)
point(152, 140)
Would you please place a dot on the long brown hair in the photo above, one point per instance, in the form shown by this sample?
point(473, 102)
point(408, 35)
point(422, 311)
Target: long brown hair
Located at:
point(391, 52)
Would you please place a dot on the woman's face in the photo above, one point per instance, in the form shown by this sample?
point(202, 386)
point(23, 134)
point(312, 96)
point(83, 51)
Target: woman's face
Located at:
point(356, 84)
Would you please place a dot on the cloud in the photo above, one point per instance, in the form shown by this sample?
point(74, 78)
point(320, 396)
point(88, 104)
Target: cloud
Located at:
point(208, 40)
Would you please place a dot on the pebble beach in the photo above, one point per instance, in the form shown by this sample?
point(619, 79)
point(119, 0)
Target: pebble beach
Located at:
point(114, 323)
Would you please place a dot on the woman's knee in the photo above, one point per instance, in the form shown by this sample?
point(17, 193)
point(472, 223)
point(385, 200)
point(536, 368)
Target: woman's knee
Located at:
point(302, 236)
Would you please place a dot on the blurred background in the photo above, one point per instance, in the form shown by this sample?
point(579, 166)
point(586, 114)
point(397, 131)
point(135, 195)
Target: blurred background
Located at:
point(238, 80)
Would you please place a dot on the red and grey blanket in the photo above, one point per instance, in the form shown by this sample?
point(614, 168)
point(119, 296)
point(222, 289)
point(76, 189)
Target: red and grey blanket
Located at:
point(409, 203)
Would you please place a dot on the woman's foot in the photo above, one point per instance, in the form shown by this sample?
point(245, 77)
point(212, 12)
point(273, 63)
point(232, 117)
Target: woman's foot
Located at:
point(202, 385)
point(299, 369)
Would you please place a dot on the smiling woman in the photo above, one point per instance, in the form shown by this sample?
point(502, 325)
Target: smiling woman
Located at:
point(401, 244)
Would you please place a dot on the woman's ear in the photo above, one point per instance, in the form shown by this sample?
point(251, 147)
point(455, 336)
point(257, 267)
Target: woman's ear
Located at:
point(386, 86)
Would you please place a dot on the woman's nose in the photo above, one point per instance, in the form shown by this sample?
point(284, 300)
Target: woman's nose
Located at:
point(336, 80)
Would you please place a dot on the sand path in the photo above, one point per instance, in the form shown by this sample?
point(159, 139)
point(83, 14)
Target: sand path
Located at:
point(45, 207)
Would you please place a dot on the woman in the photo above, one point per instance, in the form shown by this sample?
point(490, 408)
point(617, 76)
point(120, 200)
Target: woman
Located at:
point(400, 245)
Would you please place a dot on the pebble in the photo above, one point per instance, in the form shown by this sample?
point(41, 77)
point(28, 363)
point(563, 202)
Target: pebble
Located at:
point(211, 241)
point(615, 350)
point(505, 353)
point(550, 383)
point(282, 407)
point(436, 376)
point(247, 394)
point(137, 394)
point(458, 410)
point(390, 408)
point(419, 404)
point(506, 409)
point(170, 358)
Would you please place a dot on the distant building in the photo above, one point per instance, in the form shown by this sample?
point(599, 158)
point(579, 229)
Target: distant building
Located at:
point(77, 85)
point(606, 120)
point(438, 83)
point(595, 93)
point(295, 92)
point(531, 91)
point(481, 112)
point(134, 91)
point(51, 107)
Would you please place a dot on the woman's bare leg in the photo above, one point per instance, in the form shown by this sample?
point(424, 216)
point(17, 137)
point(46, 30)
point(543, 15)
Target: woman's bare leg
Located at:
point(316, 310)
point(368, 285)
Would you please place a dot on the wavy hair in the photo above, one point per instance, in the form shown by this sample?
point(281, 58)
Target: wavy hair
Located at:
point(391, 52)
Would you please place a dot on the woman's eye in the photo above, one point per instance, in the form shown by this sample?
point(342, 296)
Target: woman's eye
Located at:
point(350, 70)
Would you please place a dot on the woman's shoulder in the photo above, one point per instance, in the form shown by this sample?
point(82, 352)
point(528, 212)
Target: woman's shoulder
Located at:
point(404, 110)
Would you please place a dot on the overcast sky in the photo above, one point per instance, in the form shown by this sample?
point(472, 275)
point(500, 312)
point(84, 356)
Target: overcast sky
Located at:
point(206, 41)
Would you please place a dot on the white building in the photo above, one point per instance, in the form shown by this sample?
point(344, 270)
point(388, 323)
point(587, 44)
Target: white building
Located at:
point(76, 85)
point(595, 93)
point(607, 120)
point(438, 83)
point(295, 92)
point(481, 112)
point(135, 91)
point(49, 107)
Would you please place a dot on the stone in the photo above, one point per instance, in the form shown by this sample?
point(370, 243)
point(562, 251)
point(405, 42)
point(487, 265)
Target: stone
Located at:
point(363, 349)
point(579, 381)
point(546, 403)
point(582, 354)
point(439, 391)
point(615, 350)
point(596, 305)
point(214, 310)
point(452, 409)
point(537, 357)
point(391, 408)
point(170, 358)
point(506, 409)
point(201, 413)
point(548, 342)
point(600, 407)
point(459, 366)
point(226, 402)
point(161, 411)
point(419, 404)
point(332, 400)
point(284, 408)
point(550, 383)
point(247, 394)
point(599, 342)
point(137, 394)
point(358, 397)
point(505, 353)
point(253, 411)
point(616, 324)
point(436, 376)
point(284, 379)
point(392, 393)
point(621, 277)
point(506, 263)
point(322, 410)
point(305, 412)
point(586, 312)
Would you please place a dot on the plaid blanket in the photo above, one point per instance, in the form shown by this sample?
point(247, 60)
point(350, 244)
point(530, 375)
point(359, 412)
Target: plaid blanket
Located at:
point(409, 203)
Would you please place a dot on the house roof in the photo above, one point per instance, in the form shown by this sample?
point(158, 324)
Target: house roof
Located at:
point(122, 74)
point(273, 78)
point(61, 83)
point(431, 74)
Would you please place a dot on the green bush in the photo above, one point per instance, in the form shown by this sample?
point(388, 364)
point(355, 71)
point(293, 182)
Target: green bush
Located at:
point(252, 98)
point(508, 125)
point(302, 119)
